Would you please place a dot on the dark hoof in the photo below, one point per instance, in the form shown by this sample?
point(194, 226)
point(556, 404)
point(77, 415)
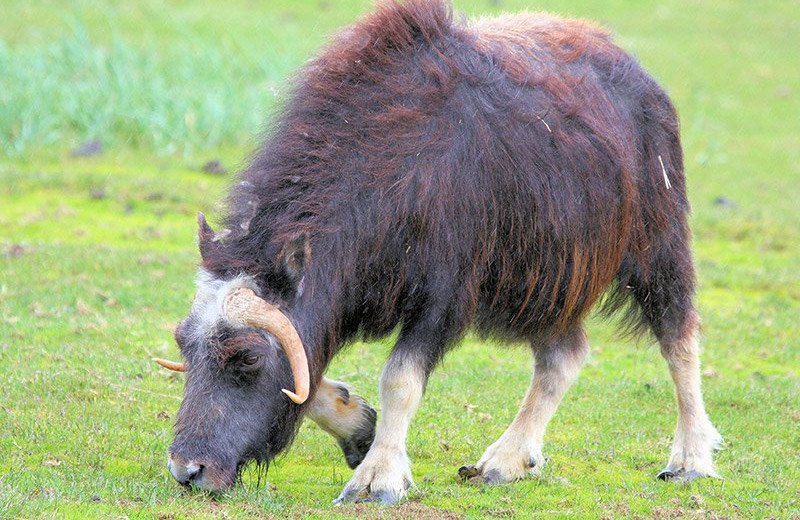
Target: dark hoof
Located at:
point(383, 497)
point(680, 476)
point(665, 475)
point(355, 447)
point(689, 476)
point(493, 478)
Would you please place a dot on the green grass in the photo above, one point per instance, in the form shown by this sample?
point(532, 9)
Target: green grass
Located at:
point(91, 286)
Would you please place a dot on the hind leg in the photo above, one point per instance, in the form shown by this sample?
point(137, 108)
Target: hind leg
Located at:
point(665, 299)
point(518, 452)
point(695, 436)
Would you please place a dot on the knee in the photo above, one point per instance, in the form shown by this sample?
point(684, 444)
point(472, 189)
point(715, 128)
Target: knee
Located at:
point(402, 381)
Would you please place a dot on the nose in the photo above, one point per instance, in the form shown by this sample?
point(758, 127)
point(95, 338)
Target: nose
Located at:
point(185, 472)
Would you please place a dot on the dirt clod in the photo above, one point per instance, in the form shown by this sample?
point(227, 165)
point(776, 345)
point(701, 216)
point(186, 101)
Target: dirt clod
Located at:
point(214, 167)
point(88, 149)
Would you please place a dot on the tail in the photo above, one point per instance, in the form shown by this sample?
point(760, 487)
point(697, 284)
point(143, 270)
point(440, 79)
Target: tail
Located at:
point(654, 286)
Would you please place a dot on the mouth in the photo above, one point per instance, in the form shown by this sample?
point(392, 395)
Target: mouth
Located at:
point(219, 474)
point(195, 474)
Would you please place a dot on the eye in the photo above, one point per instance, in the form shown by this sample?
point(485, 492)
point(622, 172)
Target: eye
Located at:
point(250, 358)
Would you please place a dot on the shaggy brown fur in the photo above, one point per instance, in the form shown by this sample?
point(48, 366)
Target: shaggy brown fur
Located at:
point(503, 174)
point(432, 175)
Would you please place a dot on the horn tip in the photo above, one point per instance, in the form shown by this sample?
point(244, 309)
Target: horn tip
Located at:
point(294, 397)
point(170, 365)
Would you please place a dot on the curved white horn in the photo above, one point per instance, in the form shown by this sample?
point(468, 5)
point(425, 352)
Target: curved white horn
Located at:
point(243, 308)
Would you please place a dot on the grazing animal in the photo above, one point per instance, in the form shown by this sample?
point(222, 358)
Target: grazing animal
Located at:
point(428, 175)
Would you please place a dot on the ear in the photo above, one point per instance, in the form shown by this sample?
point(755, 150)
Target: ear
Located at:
point(205, 238)
point(295, 256)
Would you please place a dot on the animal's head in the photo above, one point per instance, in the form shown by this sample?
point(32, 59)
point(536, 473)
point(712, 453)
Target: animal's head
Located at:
point(247, 377)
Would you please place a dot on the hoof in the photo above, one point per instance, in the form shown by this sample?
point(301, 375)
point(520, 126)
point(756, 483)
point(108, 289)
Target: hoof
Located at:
point(383, 477)
point(386, 497)
point(502, 470)
point(493, 477)
point(665, 475)
point(681, 476)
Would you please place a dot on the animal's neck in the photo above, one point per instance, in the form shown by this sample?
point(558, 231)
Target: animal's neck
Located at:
point(318, 320)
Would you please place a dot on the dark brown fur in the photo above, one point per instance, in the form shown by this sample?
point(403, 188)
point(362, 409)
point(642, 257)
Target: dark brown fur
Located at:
point(506, 171)
point(430, 175)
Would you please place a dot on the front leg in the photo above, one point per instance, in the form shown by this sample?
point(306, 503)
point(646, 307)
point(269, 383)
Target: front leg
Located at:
point(385, 474)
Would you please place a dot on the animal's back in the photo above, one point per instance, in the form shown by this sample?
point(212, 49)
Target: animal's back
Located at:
point(540, 181)
point(486, 168)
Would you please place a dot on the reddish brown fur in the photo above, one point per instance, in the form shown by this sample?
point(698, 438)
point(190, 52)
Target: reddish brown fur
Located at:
point(502, 174)
point(521, 152)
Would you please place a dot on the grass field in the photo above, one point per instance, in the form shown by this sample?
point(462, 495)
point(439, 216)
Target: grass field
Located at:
point(97, 259)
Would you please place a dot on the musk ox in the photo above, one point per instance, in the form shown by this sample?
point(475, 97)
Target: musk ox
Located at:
point(427, 176)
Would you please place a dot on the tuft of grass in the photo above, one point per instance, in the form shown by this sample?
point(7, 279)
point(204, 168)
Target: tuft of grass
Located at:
point(129, 96)
point(198, 78)
point(97, 257)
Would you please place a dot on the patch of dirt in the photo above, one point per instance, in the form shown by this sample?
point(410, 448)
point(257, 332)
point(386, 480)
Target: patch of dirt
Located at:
point(88, 149)
point(14, 251)
point(98, 194)
point(214, 167)
point(665, 513)
point(408, 509)
point(725, 202)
